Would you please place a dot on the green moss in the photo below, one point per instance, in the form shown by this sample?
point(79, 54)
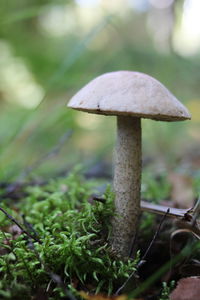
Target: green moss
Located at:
point(73, 230)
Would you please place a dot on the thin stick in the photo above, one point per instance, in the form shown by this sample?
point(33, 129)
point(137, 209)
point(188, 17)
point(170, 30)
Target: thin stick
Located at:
point(142, 261)
point(155, 235)
point(160, 209)
point(22, 229)
point(29, 226)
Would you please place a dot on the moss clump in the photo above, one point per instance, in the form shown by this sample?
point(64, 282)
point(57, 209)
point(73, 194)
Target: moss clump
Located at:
point(73, 251)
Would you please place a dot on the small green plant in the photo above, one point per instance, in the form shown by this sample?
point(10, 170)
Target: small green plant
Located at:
point(166, 290)
point(72, 231)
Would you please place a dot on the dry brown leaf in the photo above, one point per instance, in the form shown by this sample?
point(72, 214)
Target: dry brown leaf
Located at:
point(103, 297)
point(187, 289)
point(182, 193)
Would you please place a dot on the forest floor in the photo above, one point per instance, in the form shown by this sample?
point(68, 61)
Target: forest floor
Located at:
point(54, 240)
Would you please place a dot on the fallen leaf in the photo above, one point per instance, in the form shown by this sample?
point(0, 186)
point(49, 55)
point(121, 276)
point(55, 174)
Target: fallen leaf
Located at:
point(187, 289)
point(103, 297)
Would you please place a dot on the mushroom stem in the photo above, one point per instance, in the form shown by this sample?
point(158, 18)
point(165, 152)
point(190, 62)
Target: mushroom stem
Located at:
point(127, 182)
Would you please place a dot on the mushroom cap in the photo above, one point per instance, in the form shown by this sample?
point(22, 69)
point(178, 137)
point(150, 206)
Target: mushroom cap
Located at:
point(129, 93)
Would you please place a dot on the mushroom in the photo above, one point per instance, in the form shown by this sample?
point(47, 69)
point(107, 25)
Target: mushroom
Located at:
point(130, 96)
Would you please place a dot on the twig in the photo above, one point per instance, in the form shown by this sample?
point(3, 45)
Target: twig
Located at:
point(161, 210)
point(183, 230)
point(29, 226)
point(142, 261)
point(22, 229)
point(187, 218)
point(174, 234)
point(155, 235)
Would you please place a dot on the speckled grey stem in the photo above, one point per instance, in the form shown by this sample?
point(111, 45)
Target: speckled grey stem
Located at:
point(127, 182)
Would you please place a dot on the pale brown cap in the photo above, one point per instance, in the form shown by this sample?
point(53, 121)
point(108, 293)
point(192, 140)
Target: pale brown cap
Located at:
point(129, 93)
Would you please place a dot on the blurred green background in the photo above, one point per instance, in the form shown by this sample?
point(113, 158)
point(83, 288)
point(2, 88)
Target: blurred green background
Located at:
point(50, 49)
